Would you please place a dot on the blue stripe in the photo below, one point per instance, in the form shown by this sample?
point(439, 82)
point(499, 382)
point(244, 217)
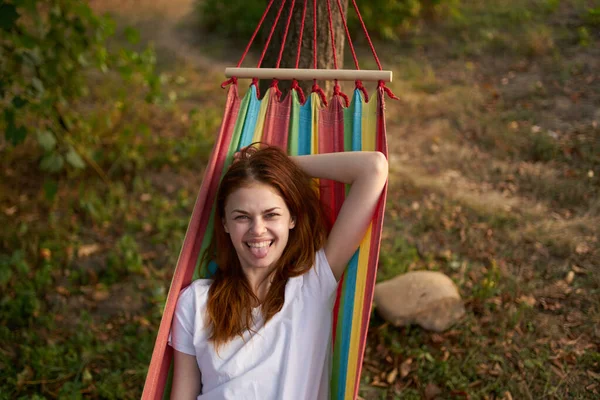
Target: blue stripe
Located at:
point(305, 128)
point(352, 268)
point(251, 118)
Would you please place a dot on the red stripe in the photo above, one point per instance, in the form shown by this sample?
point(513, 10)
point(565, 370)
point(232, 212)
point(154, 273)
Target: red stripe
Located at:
point(277, 121)
point(331, 139)
point(161, 356)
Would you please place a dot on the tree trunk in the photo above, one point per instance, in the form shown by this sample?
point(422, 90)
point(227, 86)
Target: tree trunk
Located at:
point(324, 48)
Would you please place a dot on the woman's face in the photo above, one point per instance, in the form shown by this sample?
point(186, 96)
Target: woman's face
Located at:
point(258, 223)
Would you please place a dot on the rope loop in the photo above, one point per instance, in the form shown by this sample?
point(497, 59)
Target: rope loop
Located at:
point(359, 86)
point(337, 92)
point(299, 91)
point(386, 89)
point(232, 80)
point(255, 83)
point(317, 89)
point(275, 85)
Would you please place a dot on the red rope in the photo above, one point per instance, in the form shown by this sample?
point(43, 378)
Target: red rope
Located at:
point(275, 85)
point(336, 86)
point(285, 33)
point(337, 92)
point(254, 34)
point(339, 4)
point(255, 83)
point(315, 36)
point(315, 86)
point(229, 81)
point(386, 89)
point(262, 56)
point(359, 86)
point(316, 89)
point(362, 23)
point(301, 32)
point(332, 35)
point(301, 96)
point(380, 84)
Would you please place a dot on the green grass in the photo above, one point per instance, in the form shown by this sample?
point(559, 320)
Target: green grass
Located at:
point(85, 264)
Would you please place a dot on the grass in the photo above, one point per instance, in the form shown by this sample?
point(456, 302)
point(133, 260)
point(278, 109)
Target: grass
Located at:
point(495, 182)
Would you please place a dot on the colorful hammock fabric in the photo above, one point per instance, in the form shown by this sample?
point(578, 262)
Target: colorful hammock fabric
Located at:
point(301, 129)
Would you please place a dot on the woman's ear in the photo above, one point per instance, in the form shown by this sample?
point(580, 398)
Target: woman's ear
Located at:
point(292, 222)
point(224, 225)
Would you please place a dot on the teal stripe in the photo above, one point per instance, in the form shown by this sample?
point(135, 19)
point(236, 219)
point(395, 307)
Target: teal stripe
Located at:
point(355, 111)
point(251, 118)
point(305, 128)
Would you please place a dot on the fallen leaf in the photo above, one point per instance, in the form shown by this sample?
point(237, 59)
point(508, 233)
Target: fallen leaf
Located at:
point(62, 291)
point(45, 254)
point(100, 295)
point(10, 210)
point(405, 367)
point(570, 276)
point(528, 300)
point(507, 396)
point(391, 377)
point(578, 270)
point(432, 391)
point(146, 197)
point(558, 372)
point(582, 248)
point(87, 250)
point(593, 374)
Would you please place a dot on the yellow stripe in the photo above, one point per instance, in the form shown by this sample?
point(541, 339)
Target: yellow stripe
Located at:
point(315, 101)
point(369, 125)
point(260, 121)
point(359, 300)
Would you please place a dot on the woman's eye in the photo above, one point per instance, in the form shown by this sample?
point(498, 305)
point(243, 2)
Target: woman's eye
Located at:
point(241, 217)
point(272, 215)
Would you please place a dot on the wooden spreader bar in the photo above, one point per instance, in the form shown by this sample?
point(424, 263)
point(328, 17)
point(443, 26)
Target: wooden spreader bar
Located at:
point(309, 74)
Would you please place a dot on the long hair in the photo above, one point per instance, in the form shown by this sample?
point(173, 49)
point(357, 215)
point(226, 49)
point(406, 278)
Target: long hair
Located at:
point(230, 297)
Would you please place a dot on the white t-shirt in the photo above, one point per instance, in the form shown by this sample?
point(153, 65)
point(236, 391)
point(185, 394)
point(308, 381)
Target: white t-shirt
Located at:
point(289, 357)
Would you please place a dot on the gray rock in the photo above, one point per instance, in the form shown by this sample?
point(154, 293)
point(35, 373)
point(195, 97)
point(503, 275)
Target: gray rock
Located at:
point(429, 299)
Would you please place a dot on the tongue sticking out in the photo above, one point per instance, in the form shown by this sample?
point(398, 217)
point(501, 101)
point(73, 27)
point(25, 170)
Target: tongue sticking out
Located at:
point(259, 252)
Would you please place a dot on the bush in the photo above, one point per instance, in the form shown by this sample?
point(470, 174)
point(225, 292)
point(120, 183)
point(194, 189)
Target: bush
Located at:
point(47, 51)
point(383, 18)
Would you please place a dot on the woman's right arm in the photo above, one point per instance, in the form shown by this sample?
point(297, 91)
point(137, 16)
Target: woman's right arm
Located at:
point(186, 377)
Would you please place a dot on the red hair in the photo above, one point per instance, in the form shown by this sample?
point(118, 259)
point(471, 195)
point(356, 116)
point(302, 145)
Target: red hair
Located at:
point(230, 297)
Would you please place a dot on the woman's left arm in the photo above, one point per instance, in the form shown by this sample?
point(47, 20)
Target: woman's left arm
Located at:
point(366, 172)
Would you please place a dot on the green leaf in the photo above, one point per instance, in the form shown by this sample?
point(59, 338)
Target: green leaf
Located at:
point(38, 85)
point(8, 16)
point(52, 162)
point(50, 189)
point(18, 102)
point(14, 134)
point(132, 35)
point(75, 159)
point(47, 140)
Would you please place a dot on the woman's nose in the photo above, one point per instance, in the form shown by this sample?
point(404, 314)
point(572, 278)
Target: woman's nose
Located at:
point(258, 226)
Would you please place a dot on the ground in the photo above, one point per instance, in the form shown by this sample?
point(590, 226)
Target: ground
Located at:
point(495, 181)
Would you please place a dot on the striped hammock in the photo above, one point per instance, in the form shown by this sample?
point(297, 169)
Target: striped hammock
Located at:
point(301, 129)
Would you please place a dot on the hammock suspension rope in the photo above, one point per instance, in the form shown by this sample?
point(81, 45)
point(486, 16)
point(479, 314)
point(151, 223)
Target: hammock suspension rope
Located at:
point(297, 74)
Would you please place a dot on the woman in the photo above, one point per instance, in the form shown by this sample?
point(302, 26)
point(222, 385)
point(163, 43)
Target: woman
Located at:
point(261, 329)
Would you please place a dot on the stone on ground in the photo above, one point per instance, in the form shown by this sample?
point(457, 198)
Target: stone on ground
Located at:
point(427, 298)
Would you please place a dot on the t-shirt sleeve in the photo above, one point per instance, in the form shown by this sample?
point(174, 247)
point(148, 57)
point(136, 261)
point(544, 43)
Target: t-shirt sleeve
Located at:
point(322, 276)
point(182, 327)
